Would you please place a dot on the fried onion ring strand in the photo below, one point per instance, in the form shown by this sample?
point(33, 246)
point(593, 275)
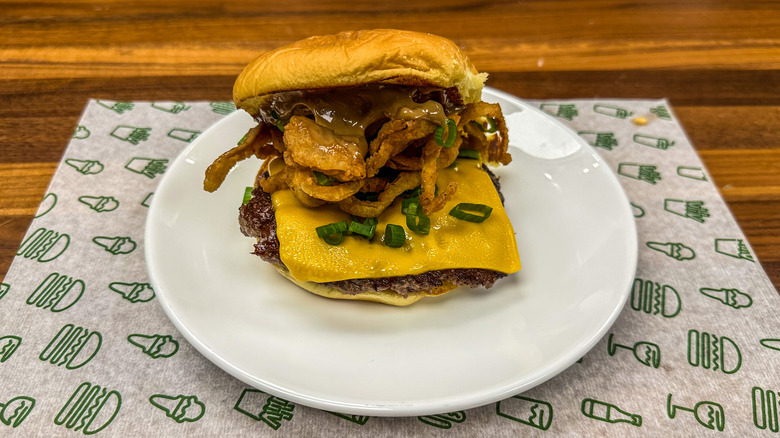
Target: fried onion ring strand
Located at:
point(405, 181)
point(219, 169)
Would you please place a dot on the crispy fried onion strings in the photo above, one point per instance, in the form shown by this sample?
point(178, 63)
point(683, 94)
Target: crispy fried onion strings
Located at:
point(491, 146)
point(306, 181)
point(258, 142)
point(428, 199)
point(403, 182)
point(393, 138)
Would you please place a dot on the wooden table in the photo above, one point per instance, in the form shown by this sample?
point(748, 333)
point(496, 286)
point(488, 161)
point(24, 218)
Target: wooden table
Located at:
point(718, 62)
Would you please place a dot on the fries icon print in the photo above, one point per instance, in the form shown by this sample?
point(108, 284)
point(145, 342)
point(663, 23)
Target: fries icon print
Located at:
point(443, 421)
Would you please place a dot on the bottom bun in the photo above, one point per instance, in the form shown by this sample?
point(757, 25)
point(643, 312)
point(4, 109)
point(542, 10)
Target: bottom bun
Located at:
point(385, 297)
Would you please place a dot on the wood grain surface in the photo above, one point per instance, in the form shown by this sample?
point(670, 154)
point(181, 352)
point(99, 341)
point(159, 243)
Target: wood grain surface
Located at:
point(718, 62)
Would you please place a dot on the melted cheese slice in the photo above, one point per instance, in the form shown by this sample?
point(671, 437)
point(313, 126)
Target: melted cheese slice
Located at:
point(452, 243)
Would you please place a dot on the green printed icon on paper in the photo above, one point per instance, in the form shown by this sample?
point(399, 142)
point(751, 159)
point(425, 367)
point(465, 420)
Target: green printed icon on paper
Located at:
point(44, 245)
point(186, 135)
point(149, 167)
point(566, 111)
point(14, 411)
point(224, 108)
point(171, 107)
point(57, 292)
point(72, 346)
point(8, 345)
point(647, 353)
point(47, 204)
point(636, 210)
point(357, 419)
point(90, 409)
point(661, 112)
point(718, 353)
point(652, 141)
point(733, 248)
point(675, 250)
point(733, 298)
point(688, 209)
point(115, 245)
point(180, 408)
point(133, 292)
point(155, 346)
point(608, 413)
point(443, 421)
point(131, 134)
point(772, 344)
point(117, 107)
point(260, 406)
point(604, 140)
point(655, 298)
point(765, 407)
point(85, 167)
point(525, 410)
point(641, 172)
point(4, 288)
point(612, 111)
point(100, 204)
point(708, 414)
point(148, 200)
point(696, 173)
point(81, 132)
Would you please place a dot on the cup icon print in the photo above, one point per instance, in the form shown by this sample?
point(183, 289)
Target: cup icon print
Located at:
point(47, 204)
point(171, 107)
point(115, 245)
point(608, 413)
point(14, 411)
point(765, 409)
point(709, 351)
point(8, 346)
point(117, 107)
point(612, 111)
point(85, 167)
point(223, 108)
point(735, 248)
point(661, 112)
point(131, 134)
point(647, 353)
point(708, 414)
point(179, 408)
point(186, 135)
point(696, 173)
point(526, 410)
point(675, 250)
point(564, 111)
point(133, 292)
point(4, 288)
point(733, 298)
point(652, 141)
point(72, 346)
point(57, 292)
point(155, 346)
point(44, 245)
point(443, 421)
point(357, 419)
point(641, 172)
point(149, 167)
point(90, 409)
point(655, 298)
point(100, 204)
point(688, 209)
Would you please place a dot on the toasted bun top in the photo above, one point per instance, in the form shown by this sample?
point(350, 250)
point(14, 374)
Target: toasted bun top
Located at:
point(381, 56)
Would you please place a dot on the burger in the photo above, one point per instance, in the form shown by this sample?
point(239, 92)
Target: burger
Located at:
point(375, 182)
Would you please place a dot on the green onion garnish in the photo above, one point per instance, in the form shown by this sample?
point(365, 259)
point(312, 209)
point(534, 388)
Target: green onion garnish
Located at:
point(468, 153)
point(365, 229)
point(461, 210)
point(324, 180)
point(416, 220)
point(280, 124)
point(490, 126)
point(332, 234)
point(407, 202)
point(452, 132)
point(395, 236)
point(247, 195)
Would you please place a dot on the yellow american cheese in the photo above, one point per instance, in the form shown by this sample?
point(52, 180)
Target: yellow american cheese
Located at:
point(451, 243)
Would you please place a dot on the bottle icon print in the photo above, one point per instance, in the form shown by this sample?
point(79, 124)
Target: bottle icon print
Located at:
point(44, 245)
point(612, 111)
point(733, 298)
point(443, 421)
point(647, 353)
point(73, 346)
point(566, 111)
point(604, 140)
point(688, 209)
point(115, 245)
point(641, 172)
point(186, 135)
point(14, 411)
point(180, 408)
point(155, 346)
point(735, 248)
point(223, 108)
point(675, 250)
point(171, 107)
point(133, 292)
point(608, 413)
point(90, 409)
point(652, 141)
point(765, 409)
point(708, 414)
point(57, 292)
point(149, 167)
point(709, 351)
point(655, 298)
point(8, 346)
point(525, 410)
point(85, 167)
point(131, 134)
point(100, 204)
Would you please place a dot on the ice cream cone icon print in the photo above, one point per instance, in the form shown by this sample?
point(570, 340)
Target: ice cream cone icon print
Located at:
point(647, 353)
point(733, 298)
point(85, 167)
point(526, 410)
point(8, 346)
point(655, 298)
point(115, 244)
point(72, 346)
point(155, 346)
point(100, 204)
point(675, 250)
point(134, 292)
point(14, 411)
point(716, 353)
point(90, 409)
point(708, 414)
point(179, 408)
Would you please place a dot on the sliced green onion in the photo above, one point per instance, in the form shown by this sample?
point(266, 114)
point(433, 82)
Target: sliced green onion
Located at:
point(452, 133)
point(489, 126)
point(280, 124)
point(324, 180)
point(395, 236)
point(365, 229)
point(468, 153)
point(247, 195)
point(461, 211)
point(416, 220)
point(332, 234)
point(407, 202)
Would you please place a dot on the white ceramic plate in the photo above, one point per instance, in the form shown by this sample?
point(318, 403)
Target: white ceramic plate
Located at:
point(577, 243)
